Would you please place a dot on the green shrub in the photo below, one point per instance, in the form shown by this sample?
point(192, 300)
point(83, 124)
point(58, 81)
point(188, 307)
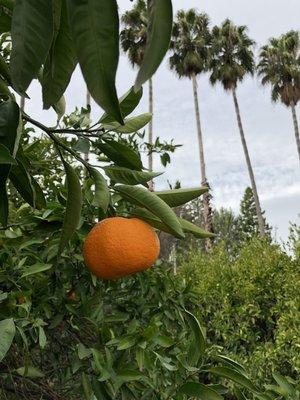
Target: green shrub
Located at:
point(250, 306)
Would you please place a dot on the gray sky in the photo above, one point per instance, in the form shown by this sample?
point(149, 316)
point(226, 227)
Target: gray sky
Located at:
point(268, 126)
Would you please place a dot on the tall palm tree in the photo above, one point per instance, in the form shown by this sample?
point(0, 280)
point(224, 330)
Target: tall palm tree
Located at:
point(190, 54)
point(231, 60)
point(133, 41)
point(279, 66)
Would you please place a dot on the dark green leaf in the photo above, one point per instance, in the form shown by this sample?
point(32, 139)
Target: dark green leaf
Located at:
point(178, 197)
point(198, 344)
point(102, 196)
point(229, 362)
point(7, 333)
point(95, 29)
point(5, 21)
point(239, 394)
point(86, 386)
point(32, 34)
point(234, 376)
point(131, 125)
point(9, 121)
point(4, 91)
point(40, 201)
point(99, 390)
point(143, 198)
point(158, 38)
point(73, 208)
point(129, 176)
point(82, 145)
point(22, 181)
point(4, 70)
point(60, 63)
point(35, 269)
point(128, 102)
point(121, 155)
point(199, 391)
point(5, 156)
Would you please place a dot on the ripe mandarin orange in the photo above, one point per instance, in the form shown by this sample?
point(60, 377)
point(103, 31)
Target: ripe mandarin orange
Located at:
point(118, 247)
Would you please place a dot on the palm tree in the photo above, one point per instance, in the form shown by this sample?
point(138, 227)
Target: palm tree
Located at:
point(231, 60)
point(279, 66)
point(133, 41)
point(190, 47)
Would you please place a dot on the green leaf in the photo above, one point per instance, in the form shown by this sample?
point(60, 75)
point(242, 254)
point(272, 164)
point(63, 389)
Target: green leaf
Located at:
point(178, 197)
point(36, 269)
point(82, 145)
point(158, 38)
point(284, 384)
point(42, 337)
point(130, 375)
point(73, 208)
point(102, 195)
point(121, 155)
point(189, 227)
point(129, 176)
point(22, 182)
point(87, 387)
point(99, 390)
point(143, 198)
point(163, 341)
point(131, 125)
point(7, 333)
point(30, 372)
point(60, 63)
point(40, 201)
point(5, 156)
point(199, 391)
point(32, 34)
point(234, 376)
point(4, 91)
point(95, 30)
point(128, 102)
point(239, 394)
point(198, 344)
point(9, 122)
point(229, 362)
point(60, 108)
point(4, 70)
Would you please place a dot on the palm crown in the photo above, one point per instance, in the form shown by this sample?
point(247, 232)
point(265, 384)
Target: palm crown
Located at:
point(231, 55)
point(279, 66)
point(190, 43)
point(133, 36)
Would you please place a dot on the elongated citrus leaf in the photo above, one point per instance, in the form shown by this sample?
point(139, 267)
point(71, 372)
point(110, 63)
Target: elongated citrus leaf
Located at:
point(284, 384)
point(5, 156)
point(32, 34)
point(40, 201)
point(100, 390)
point(121, 155)
point(87, 387)
point(35, 269)
point(131, 125)
point(129, 176)
point(198, 344)
point(158, 38)
point(239, 394)
point(234, 376)
point(128, 102)
point(60, 63)
point(178, 197)
point(199, 391)
point(30, 372)
point(95, 30)
point(143, 198)
point(189, 227)
point(231, 363)
point(4, 70)
point(73, 208)
point(22, 182)
point(102, 196)
point(7, 333)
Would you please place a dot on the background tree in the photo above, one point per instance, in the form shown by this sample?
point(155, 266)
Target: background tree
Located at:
point(279, 67)
point(232, 59)
point(248, 221)
point(133, 41)
point(190, 47)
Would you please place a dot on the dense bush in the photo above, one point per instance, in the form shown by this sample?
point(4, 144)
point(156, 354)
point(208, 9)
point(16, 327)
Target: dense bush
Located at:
point(250, 305)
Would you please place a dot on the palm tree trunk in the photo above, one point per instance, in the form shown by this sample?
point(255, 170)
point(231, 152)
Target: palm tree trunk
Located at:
point(261, 224)
point(150, 133)
point(296, 127)
point(88, 104)
point(207, 211)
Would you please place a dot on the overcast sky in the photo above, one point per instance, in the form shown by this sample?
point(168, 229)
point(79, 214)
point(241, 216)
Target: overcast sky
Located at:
point(268, 127)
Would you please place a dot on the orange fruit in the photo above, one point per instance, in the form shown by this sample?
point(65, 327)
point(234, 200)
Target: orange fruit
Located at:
point(118, 247)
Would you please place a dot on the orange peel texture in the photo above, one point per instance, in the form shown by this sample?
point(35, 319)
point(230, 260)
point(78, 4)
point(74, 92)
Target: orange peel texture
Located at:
point(118, 247)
